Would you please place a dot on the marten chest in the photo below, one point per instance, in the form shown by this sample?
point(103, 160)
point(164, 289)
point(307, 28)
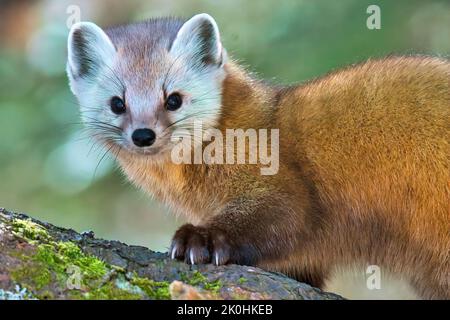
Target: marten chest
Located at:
point(190, 191)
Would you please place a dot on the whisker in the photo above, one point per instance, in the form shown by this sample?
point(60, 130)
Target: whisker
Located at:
point(190, 116)
point(101, 159)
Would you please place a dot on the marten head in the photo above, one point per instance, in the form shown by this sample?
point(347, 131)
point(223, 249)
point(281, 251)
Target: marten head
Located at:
point(137, 84)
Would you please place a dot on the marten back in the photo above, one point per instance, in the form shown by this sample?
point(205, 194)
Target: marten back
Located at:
point(374, 141)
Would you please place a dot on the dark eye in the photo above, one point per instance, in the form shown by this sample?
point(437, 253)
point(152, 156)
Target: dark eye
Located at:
point(173, 102)
point(117, 105)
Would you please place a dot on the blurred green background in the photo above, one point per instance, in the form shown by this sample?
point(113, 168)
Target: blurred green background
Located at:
point(47, 168)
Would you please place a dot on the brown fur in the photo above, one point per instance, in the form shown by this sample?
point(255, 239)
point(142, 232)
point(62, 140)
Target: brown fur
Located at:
point(364, 176)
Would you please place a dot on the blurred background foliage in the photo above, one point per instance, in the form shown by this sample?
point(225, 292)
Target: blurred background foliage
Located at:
point(49, 170)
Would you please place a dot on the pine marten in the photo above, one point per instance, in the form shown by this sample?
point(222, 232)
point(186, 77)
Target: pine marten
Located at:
point(364, 152)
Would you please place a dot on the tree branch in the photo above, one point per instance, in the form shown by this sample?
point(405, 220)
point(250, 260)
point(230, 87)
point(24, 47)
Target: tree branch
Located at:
point(42, 261)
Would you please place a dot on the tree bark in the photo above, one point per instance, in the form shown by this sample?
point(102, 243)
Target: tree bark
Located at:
point(41, 261)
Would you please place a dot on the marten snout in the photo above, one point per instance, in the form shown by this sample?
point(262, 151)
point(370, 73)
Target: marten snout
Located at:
point(143, 137)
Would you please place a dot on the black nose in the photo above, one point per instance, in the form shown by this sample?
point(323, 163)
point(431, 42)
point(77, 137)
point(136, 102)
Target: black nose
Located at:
point(143, 137)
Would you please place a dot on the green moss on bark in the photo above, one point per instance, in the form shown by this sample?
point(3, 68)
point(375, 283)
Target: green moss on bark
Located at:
point(198, 279)
point(154, 289)
point(51, 261)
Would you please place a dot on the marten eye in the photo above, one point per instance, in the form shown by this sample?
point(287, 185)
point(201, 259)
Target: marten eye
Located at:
point(117, 105)
point(173, 102)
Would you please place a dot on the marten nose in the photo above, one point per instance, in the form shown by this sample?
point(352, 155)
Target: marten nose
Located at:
point(143, 137)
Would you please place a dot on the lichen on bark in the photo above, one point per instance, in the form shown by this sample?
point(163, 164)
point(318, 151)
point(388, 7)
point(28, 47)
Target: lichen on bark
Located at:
point(42, 261)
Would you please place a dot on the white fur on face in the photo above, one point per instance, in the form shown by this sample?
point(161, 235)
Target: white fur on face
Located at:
point(89, 51)
point(201, 89)
point(90, 68)
point(197, 61)
point(193, 67)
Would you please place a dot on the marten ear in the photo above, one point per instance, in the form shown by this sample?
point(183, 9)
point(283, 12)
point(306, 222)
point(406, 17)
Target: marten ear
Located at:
point(89, 49)
point(199, 40)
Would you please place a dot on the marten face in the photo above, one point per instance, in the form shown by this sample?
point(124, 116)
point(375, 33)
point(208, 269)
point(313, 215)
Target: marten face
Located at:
point(138, 84)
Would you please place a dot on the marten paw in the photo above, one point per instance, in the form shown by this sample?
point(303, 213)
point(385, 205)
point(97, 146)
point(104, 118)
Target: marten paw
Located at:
point(198, 245)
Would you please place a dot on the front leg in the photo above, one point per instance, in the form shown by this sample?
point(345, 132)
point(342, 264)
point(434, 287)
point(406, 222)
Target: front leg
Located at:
point(245, 232)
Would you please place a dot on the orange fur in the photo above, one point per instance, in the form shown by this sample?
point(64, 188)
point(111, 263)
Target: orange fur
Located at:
point(364, 173)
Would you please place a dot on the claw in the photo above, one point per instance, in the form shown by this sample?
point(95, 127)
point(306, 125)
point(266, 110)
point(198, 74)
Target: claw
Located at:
point(198, 245)
point(216, 255)
point(174, 250)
